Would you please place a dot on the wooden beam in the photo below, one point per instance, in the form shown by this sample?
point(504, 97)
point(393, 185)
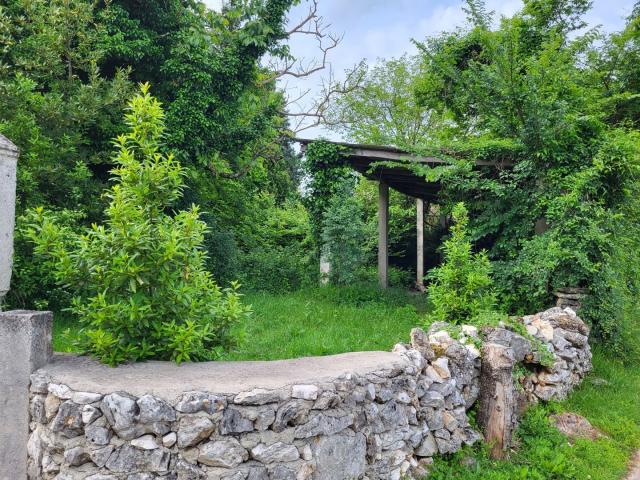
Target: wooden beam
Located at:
point(420, 244)
point(383, 236)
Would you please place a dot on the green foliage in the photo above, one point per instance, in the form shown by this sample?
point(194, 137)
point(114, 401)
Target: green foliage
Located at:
point(543, 454)
point(142, 290)
point(559, 108)
point(344, 236)
point(461, 289)
point(384, 110)
point(66, 70)
point(326, 170)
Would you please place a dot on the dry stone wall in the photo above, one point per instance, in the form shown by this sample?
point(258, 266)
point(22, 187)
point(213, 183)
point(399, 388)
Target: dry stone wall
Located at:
point(378, 416)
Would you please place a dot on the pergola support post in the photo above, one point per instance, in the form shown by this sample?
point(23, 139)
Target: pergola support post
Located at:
point(420, 244)
point(383, 233)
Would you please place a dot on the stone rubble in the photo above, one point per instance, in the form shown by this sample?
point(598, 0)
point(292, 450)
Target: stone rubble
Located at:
point(384, 425)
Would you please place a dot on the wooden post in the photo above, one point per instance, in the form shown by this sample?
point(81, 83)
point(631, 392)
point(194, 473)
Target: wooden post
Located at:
point(420, 243)
point(383, 235)
point(498, 403)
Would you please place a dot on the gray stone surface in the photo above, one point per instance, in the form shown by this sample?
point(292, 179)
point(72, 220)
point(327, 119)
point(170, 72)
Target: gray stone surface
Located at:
point(168, 380)
point(8, 167)
point(25, 345)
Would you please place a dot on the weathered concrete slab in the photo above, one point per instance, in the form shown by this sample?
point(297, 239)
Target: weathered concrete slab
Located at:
point(168, 380)
point(8, 165)
point(25, 346)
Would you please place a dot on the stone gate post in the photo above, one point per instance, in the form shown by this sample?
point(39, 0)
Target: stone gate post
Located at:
point(8, 165)
point(25, 346)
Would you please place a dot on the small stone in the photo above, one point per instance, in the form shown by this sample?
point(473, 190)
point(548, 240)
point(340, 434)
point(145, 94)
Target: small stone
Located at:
point(76, 456)
point(450, 422)
point(39, 383)
point(264, 418)
point(97, 435)
point(51, 405)
point(169, 439)
point(234, 422)
point(321, 424)
point(154, 410)
point(129, 459)
point(146, 442)
point(277, 452)
point(341, 457)
point(61, 391)
point(192, 430)
point(290, 413)
point(193, 402)
point(99, 456)
point(305, 392)
point(307, 453)
point(68, 420)
point(428, 447)
point(84, 398)
point(227, 453)
point(432, 399)
point(470, 331)
point(257, 396)
point(90, 414)
point(441, 366)
point(433, 376)
point(37, 410)
point(120, 410)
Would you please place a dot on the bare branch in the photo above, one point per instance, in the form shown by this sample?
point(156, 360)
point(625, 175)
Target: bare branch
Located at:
point(312, 24)
point(317, 113)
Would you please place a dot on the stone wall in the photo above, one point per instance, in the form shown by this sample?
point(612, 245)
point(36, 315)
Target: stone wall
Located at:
point(375, 415)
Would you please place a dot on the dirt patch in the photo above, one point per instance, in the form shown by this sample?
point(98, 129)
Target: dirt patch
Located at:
point(634, 468)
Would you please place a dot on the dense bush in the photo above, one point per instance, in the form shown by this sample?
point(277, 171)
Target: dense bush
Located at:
point(461, 289)
point(344, 235)
point(142, 289)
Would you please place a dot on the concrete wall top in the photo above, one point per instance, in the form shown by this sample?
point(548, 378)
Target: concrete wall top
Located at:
point(167, 380)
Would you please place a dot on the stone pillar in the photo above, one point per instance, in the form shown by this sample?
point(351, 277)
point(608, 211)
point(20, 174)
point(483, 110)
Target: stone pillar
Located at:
point(420, 244)
point(25, 346)
point(383, 235)
point(8, 165)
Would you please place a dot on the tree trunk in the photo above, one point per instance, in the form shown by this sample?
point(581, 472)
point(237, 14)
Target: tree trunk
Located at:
point(497, 414)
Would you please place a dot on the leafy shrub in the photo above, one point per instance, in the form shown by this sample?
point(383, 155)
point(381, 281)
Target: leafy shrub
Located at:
point(344, 235)
point(461, 288)
point(142, 288)
point(276, 269)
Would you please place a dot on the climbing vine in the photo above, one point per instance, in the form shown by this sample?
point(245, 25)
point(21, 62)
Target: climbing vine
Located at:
point(327, 172)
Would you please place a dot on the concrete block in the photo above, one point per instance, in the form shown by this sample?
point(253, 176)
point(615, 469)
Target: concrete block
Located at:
point(8, 165)
point(25, 346)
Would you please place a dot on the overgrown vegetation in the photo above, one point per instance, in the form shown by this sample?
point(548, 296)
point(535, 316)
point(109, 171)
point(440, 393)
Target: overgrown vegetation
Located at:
point(542, 453)
point(461, 289)
point(142, 287)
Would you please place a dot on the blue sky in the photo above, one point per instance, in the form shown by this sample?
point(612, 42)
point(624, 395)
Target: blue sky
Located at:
point(376, 29)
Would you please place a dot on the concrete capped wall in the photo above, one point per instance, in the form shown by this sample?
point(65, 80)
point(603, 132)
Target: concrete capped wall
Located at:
point(361, 415)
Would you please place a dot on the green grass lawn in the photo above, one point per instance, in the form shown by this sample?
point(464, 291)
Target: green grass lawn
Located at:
point(316, 321)
point(325, 321)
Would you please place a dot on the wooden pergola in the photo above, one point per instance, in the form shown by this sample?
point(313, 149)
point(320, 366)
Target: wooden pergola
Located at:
point(366, 160)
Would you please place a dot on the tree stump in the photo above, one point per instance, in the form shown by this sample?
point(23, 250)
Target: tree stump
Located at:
point(497, 414)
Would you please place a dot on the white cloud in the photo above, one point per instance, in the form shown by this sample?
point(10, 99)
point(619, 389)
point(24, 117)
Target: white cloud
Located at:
point(382, 28)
